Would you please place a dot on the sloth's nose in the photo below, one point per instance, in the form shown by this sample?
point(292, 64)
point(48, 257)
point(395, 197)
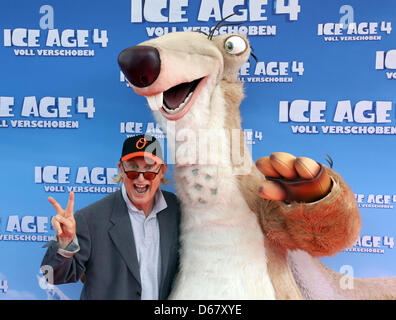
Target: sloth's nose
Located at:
point(140, 64)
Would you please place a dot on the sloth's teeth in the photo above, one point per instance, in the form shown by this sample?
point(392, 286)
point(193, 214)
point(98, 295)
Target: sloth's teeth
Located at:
point(155, 101)
point(188, 97)
point(181, 106)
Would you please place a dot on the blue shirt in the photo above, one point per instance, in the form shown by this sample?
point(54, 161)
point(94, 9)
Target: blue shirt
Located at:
point(147, 242)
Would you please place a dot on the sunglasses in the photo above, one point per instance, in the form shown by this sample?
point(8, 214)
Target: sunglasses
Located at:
point(148, 175)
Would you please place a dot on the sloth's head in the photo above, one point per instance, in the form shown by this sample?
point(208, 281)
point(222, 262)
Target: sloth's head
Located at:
point(178, 72)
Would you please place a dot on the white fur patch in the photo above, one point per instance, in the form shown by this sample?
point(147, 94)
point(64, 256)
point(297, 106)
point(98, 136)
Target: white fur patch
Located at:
point(223, 254)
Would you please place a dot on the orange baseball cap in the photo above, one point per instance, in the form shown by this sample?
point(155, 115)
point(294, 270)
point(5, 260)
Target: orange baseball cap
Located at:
point(142, 145)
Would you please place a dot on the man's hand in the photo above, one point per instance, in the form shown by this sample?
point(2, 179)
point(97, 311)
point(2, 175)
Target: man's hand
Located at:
point(64, 223)
point(292, 179)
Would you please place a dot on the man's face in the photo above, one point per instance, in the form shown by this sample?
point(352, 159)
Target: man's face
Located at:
point(141, 191)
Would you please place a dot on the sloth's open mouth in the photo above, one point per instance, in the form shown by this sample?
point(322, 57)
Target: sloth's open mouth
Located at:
point(178, 96)
point(177, 100)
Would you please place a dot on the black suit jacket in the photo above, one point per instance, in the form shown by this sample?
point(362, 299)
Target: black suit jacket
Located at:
point(107, 253)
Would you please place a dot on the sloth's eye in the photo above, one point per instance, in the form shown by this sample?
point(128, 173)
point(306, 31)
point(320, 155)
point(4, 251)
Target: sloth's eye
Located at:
point(234, 45)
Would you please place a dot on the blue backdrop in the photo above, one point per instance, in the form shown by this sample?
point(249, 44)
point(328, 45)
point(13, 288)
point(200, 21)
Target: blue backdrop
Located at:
point(323, 84)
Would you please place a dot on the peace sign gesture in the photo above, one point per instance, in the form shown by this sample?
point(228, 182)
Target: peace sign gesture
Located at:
point(64, 223)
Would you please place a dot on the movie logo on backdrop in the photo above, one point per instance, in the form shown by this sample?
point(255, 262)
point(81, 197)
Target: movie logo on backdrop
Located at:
point(363, 31)
point(372, 244)
point(83, 179)
point(374, 115)
point(62, 43)
point(386, 60)
point(349, 30)
point(53, 42)
point(132, 128)
point(377, 201)
point(177, 12)
point(42, 113)
point(271, 71)
point(27, 229)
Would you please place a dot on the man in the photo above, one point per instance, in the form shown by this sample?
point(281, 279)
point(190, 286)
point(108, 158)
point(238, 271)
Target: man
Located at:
point(126, 244)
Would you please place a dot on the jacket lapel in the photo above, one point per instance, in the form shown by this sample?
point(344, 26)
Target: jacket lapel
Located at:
point(166, 229)
point(122, 235)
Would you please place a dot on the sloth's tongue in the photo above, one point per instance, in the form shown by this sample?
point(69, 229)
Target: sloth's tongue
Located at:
point(176, 95)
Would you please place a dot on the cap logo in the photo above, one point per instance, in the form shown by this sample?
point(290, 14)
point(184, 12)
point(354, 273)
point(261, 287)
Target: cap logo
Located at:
point(141, 143)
